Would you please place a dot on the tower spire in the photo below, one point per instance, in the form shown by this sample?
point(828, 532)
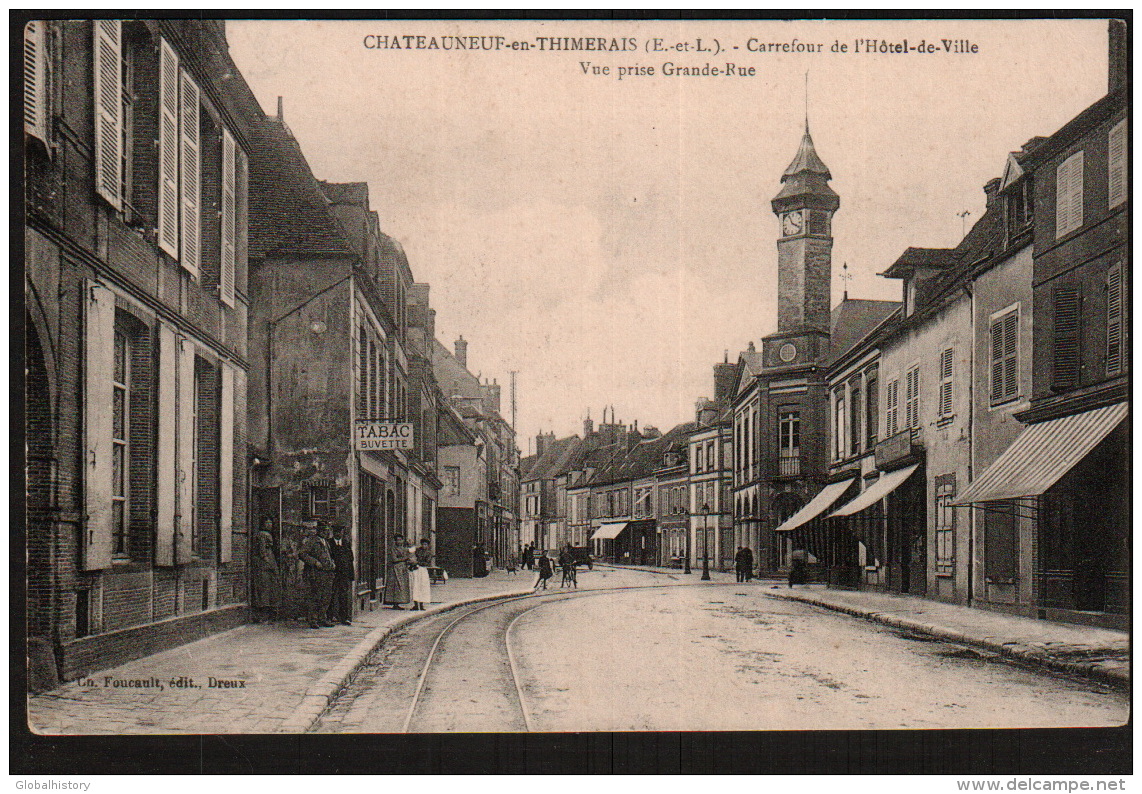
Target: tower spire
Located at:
point(806, 101)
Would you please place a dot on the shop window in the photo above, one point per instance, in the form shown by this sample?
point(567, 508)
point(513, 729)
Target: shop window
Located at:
point(1000, 526)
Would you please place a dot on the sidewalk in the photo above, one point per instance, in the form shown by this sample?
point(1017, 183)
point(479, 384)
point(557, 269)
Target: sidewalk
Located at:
point(1099, 654)
point(282, 675)
point(694, 577)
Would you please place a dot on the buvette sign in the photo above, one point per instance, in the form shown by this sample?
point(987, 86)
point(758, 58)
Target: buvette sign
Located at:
point(373, 436)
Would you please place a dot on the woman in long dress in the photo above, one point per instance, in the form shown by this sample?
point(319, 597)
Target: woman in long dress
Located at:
point(396, 578)
point(267, 585)
point(421, 588)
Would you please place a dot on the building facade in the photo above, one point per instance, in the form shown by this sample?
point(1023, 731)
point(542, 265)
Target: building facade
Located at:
point(137, 136)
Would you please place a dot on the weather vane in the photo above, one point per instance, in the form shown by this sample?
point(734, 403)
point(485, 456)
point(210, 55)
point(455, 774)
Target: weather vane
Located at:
point(845, 277)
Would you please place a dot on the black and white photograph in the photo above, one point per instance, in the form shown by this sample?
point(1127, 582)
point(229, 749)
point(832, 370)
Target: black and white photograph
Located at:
point(573, 376)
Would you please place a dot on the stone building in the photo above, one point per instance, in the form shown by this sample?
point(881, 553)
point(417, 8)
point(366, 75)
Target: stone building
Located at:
point(137, 136)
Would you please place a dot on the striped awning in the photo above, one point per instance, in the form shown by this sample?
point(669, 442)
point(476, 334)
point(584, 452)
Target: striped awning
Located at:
point(815, 506)
point(878, 490)
point(609, 531)
point(1042, 454)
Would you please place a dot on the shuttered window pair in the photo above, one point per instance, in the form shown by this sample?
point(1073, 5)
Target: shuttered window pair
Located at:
point(1069, 195)
point(1005, 357)
point(912, 398)
point(180, 167)
point(107, 488)
point(947, 369)
point(892, 407)
point(36, 80)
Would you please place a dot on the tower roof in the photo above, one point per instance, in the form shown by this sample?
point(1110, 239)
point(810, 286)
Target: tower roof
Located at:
point(807, 160)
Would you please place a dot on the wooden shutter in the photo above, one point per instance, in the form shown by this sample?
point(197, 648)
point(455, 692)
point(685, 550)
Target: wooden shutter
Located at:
point(166, 477)
point(1011, 355)
point(241, 228)
point(946, 369)
point(1116, 156)
point(108, 82)
point(1069, 195)
point(229, 218)
point(891, 401)
point(997, 361)
point(99, 367)
point(190, 173)
point(912, 397)
point(1114, 324)
point(168, 149)
point(35, 80)
point(184, 527)
point(226, 464)
point(1066, 339)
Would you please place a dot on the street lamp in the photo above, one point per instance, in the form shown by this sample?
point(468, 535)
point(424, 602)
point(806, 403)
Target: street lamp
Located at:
point(705, 544)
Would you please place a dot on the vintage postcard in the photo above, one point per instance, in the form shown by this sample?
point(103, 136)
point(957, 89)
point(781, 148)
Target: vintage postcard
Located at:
point(427, 376)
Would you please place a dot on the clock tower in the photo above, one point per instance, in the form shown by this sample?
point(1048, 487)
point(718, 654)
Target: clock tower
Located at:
point(805, 208)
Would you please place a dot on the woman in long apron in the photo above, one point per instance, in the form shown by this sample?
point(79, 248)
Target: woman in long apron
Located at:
point(418, 577)
point(396, 579)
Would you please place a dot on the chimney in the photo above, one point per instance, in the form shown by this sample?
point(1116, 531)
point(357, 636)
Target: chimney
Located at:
point(1118, 73)
point(991, 189)
point(281, 115)
point(542, 442)
point(462, 351)
point(724, 378)
point(588, 426)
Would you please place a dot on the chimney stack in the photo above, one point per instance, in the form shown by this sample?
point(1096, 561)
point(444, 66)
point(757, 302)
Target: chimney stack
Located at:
point(1118, 74)
point(991, 189)
point(588, 426)
point(462, 351)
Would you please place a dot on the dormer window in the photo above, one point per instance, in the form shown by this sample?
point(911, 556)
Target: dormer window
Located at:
point(1019, 208)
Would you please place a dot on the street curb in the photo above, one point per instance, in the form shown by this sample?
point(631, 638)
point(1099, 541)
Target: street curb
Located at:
point(318, 697)
point(1027, 654)
point(678, 571)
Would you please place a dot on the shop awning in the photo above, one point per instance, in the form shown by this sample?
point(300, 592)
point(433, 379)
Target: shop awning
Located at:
point(817, 505)
point(1042, 454)
point(878, 490)
point(609, 531)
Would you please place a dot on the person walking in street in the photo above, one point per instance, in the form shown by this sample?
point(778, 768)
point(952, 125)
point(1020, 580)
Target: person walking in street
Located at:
point(740, 564)
point(545, 570)
point(266, 596)
point(528, 556)
point(396, 576)
point(419, 563)
point(567, 565)
point(747, 562)
point(319, 572)
point(341, 549)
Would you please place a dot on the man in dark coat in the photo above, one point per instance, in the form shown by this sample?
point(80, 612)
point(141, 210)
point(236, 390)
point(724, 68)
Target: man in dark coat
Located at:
point(528, 556)
point(747, 562)
point(319, 570)
point(479, 561)
point(739, 563)
point(341, 549)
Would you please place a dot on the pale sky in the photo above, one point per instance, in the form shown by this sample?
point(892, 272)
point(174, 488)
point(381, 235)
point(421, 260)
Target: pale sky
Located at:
point(609, 238)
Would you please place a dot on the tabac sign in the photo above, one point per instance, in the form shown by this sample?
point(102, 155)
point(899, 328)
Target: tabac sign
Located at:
point(370, 435)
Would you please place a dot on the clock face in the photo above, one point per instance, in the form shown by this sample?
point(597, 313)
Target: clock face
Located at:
point(791, 223)
point(787, 352)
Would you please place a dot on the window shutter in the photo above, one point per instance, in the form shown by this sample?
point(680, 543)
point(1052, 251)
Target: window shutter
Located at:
point(1066, 338)
point(229, 213)
point(189, 174)
point(168, 149)
point(184, 528)
point(241, 221)
point(226, 464)
point(1010, 355)
point(946, 382)
point(1116, 155)
point(1076, 190)
point(35, 80)
point(912, 403)
point(1114, 295)
point(997, 361)
point(892, 400)
point(166, 475)
point(108, 59)
point(100, 343)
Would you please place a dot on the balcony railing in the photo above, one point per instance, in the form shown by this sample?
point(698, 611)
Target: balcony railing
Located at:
point(789, 465)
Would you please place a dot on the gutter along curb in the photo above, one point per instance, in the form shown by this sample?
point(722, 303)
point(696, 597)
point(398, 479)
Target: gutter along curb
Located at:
point(321, 694)
point(1114, 674)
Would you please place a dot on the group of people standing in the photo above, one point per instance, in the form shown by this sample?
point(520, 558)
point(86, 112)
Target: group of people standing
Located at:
point(568, 564)
point(313, 581)
point(406, 578)
point(743, 563)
